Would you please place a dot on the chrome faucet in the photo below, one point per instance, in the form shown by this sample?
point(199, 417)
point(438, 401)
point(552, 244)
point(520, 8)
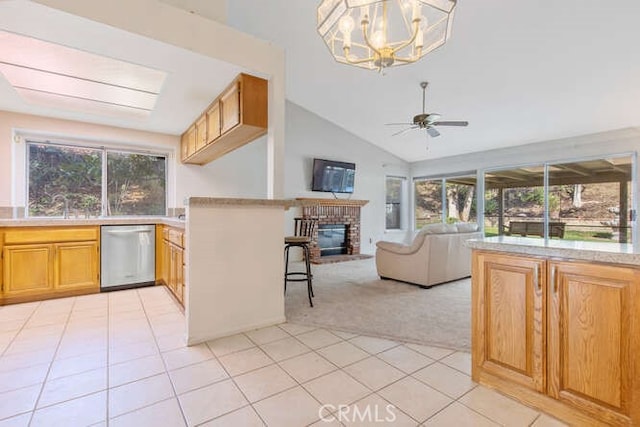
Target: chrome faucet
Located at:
point(65, 214)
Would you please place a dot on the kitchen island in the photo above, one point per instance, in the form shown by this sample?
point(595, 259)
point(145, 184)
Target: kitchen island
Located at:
point(556, 324)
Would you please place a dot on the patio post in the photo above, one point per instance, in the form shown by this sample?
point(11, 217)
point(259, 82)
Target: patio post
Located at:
point(500, 212)
point(624, 212)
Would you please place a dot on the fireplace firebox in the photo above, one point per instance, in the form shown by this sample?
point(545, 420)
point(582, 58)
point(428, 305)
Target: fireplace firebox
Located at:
point(332, 239)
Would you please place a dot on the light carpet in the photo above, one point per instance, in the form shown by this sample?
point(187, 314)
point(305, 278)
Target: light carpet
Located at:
point(350, 296)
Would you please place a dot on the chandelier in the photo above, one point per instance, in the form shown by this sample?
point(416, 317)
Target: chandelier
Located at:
point(377, 34)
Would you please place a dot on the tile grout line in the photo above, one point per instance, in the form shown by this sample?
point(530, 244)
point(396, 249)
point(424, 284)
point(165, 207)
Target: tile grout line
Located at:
point(21, 328)
point(166, 368)
point(53, 358)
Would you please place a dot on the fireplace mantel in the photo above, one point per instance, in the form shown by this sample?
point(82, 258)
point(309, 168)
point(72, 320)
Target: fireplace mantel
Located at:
point(331, 202)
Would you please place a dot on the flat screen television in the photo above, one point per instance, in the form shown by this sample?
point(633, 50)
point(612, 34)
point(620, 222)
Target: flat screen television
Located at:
point(333, 177)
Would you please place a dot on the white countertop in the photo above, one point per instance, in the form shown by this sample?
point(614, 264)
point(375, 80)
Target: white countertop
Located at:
point(610, 252)
point(61, 222)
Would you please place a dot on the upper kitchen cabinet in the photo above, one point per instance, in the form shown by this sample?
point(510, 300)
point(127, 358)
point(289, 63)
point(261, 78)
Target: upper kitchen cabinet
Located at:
point(235, 118)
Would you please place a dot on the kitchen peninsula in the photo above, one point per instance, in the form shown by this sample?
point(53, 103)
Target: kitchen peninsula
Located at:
point(234, 266)
point(556, 324)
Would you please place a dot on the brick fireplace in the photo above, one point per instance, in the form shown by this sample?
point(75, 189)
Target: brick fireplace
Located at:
point(335, 212)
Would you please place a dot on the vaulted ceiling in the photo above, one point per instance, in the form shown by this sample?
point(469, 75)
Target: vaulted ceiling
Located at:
point(518, 71)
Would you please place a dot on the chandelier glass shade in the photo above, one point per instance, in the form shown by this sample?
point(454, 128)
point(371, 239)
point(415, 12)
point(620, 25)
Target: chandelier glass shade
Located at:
point(377, 34)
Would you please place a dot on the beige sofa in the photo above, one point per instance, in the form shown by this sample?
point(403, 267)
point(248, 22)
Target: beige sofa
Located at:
point(437, 255)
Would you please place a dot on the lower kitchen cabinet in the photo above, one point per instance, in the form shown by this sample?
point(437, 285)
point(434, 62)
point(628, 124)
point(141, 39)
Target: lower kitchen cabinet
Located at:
point(28, 270)
point(76, 265)
point(45, 262)
point(560, 335)
point(172, 259)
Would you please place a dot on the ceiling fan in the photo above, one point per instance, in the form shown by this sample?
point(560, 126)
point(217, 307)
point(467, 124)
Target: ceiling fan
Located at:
point(426, 120)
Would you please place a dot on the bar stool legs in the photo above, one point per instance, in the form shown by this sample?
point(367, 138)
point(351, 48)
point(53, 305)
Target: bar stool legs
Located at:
point(299, 276)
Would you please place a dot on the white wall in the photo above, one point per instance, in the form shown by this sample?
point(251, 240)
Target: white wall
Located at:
point(241, 173)
point(310, 136)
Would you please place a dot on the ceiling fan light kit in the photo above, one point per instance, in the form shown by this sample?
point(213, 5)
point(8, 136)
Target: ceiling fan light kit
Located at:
point(378, 34)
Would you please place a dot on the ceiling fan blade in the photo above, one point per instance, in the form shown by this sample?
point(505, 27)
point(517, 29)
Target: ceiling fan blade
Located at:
point(404, 130)
point(398, 124)
point(433, 132)
point(451, 123)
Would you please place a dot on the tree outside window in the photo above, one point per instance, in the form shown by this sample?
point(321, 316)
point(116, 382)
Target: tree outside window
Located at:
point(65, 180)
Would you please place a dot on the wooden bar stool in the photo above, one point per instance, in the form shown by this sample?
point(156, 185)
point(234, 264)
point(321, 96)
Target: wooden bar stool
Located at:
point(304, 228)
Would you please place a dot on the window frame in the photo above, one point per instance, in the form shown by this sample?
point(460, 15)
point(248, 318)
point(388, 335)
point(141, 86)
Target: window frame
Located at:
point(403, 205)
point(104, 149)
point(633, 155)
point(443, 193)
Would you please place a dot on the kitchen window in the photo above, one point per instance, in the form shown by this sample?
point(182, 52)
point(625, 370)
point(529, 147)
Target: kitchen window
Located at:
point(83, 182)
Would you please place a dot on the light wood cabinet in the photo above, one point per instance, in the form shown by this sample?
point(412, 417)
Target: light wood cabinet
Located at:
point(238, 116)
point(230, 102)
point(76, 265)
point(46, 262)
point(511, 318)
point(28, 270)
point(213, 122)
point(173, 250)
point(592, 342)
point(563, 336)
point(190, 140)
point(201, 133)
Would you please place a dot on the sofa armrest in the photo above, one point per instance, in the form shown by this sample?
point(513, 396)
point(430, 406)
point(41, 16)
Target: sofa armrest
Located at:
point(396, 248)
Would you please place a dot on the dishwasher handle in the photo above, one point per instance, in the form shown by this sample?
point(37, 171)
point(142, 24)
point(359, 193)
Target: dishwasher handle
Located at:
point(127, 231)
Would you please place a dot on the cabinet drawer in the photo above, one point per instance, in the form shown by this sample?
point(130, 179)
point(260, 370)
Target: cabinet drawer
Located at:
point(50, 235)
point(176, 237)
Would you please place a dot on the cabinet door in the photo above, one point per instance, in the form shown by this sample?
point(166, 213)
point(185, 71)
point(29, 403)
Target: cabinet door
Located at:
point(191, 141)
point(213, 122)
point(166, 261)
point(201, 132)
point(593, 340)
point(179, 274)
point(28, 269)
point(230, 102)
point(509, 318)
point(184, 146)
point(76, 266)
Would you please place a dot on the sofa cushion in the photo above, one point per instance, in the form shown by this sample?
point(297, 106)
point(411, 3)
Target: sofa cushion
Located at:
point(466, 227)
point(439, 228)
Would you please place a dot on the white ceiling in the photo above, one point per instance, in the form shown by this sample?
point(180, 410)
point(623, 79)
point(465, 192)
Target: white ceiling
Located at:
point(518, 71)
point(192, 81)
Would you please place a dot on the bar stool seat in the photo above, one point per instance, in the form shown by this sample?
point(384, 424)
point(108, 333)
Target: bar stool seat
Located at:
point(304, 228)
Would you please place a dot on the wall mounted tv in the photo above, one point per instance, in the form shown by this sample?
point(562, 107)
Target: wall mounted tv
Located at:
point(333, 177)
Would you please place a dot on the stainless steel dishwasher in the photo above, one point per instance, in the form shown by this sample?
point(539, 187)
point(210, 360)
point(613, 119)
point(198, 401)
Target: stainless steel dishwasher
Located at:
point(127, 256)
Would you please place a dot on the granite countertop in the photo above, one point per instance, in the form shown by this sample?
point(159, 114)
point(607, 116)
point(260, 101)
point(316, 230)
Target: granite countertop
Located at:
point(61, 222)
point(231, 201)
point(617, 253)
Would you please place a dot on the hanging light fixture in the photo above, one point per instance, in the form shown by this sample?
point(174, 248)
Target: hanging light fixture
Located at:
point(377, 34)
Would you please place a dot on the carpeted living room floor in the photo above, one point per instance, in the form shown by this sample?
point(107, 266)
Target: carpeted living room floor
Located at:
point(350, 296)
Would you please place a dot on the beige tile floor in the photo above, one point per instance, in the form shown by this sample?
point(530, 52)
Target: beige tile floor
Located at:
point(119, 359)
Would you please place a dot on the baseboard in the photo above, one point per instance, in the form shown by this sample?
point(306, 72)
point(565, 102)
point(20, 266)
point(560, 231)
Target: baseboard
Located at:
point(199, 340)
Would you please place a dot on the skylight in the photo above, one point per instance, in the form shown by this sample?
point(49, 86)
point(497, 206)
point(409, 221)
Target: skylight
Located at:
point(52, 75)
